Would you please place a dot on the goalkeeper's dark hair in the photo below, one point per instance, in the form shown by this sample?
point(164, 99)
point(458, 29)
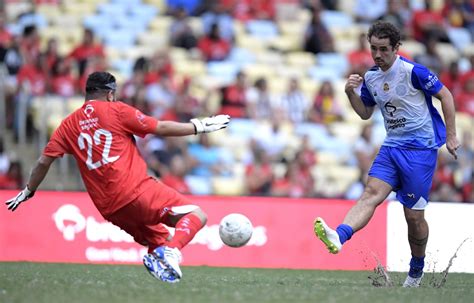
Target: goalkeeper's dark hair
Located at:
point(98, 84)
point(384, 30)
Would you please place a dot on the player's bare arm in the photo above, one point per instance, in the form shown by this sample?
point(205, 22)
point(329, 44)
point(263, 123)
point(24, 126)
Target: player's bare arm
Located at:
point(353, 82)
point(447, 104)
point(196, 126)
point(37, 175)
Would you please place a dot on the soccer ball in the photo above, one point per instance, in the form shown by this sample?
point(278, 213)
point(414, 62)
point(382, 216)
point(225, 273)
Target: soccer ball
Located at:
point(235, 230)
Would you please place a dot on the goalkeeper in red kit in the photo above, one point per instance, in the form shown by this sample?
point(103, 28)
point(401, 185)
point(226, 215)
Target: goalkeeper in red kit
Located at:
point(100, 136)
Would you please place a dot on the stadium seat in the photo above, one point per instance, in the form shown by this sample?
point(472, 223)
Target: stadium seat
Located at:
point(253, 44)
point(255, 71)
point(286, 43)
point(448, 53)
point(244, 128)
point(161, 24)
point(269, 57)
point(123, 66)
point(345, 131)
point(300, 59)
point(112, 10)
point(290, 71)
point(468, 50)
point(227, 186)
point(460, 37)
point(262, 29)
point(335, 61)
point(412, 47)
point(199, 185)
point(241, 56)
point(323, 73)
point(336, 19)
point(143, 12)
point(224, 70)
point(152, 40)
point(190, 68)
point(119, 38)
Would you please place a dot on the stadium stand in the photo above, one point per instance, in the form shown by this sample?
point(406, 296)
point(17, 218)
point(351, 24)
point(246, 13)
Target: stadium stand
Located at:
point(266, 44)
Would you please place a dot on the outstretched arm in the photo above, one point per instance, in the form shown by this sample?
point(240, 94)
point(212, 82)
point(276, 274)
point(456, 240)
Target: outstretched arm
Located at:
point(196, 126)
point(447, 104)
point(37, 175)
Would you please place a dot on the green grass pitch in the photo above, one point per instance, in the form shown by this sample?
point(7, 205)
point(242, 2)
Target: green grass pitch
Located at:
point(41, 282)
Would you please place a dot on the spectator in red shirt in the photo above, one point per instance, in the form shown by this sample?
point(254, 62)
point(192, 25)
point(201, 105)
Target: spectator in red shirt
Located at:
point(360, 59)
point(51, 52)
point(13, 179)
point(465, 99)
point(186, 104)
point(213, 47)
point(62, 81)
point(175, 177)
point(30, 43)
point(87, 49)
point(451, 78)
point(245, 10)
point(428, 22)
point(132, 88)
point(160, 66)
point(234, 101)
point(32, 76)
point(259, 174)
point(5, 35)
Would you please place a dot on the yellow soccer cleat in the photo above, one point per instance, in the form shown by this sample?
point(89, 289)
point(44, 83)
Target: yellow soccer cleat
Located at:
point(329, 236)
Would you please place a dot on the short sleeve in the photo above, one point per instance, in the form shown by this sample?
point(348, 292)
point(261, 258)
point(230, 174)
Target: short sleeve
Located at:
point(135, 122)
point(423, 79)
point(366, 96)
point(56, 146)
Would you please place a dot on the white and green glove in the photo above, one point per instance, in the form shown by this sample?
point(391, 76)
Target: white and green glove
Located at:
point(24, 195)
point(210, 124)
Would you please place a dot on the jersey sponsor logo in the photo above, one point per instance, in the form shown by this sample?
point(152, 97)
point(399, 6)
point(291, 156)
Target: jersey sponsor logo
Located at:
point(390, 108)
point(89, 110)
point(88, 123)
point(140, 117)
point(396, 123)
point(432, 79)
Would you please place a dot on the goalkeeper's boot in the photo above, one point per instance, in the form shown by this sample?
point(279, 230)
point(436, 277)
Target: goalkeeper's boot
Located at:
point(413, 280)
point(157, 269)
point(329, 236)
point(170, 257)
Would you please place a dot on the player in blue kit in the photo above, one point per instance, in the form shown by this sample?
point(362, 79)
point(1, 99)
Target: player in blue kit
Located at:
point(407, 159)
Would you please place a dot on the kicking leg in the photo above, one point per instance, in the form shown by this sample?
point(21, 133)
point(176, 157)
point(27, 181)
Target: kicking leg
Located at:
point(358, 216)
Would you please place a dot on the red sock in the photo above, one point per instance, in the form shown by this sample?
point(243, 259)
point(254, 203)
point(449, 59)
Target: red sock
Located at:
point(185, 230)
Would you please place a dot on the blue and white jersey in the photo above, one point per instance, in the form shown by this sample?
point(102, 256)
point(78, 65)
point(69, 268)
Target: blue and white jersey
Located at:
point(403, 94)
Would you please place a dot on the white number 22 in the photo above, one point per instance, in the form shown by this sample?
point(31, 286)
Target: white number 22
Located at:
point(85, 138)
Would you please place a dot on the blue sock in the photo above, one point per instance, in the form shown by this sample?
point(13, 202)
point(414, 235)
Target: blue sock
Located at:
point(345, 232)
point(416, 266)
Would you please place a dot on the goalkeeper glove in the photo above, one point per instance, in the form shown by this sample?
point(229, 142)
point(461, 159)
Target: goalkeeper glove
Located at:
point(210, 124)
point(24, 195)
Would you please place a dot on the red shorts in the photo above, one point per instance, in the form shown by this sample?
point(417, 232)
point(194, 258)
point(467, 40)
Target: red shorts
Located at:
point(142, 217)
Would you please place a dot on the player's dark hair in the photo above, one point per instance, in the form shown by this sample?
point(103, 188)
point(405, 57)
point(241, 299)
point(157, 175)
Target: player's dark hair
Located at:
point(98, 84)
point(383, 30)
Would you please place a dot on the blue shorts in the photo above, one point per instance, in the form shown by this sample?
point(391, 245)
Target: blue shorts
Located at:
point(408, 171)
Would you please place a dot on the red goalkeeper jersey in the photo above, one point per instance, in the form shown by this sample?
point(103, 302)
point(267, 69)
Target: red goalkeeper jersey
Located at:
point(100, 136)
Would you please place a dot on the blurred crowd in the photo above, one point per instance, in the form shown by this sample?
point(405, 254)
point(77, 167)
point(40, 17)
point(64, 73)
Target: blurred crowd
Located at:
point(271, 163)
